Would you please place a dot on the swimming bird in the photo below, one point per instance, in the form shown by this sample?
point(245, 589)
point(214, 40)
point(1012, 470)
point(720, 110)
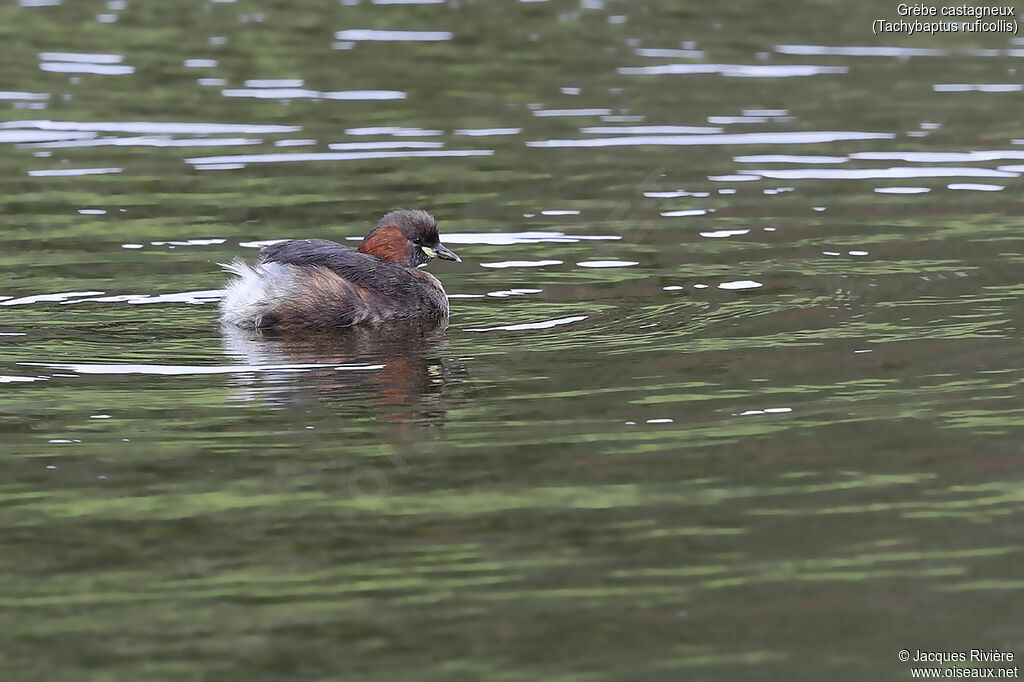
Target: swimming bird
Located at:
point(320, 284)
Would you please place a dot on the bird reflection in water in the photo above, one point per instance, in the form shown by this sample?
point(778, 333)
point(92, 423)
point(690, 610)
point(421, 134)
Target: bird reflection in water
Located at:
point(394, 369)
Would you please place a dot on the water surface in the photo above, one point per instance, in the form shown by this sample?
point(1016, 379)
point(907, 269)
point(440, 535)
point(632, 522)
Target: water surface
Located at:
point(731, 388)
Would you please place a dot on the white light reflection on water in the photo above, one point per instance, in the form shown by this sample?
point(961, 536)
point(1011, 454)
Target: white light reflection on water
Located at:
point(607, 263)
point(75, 297)
point(333, 156)
point(775, 113)
point(155, 127)
point(736, 70)
point(716, 139)
point(977, 187)
point(190, 297)
point(767, 410)
point(788, 158)
point(902, 190)
point(34, 136)
point(977, 87)
point(857, 51)
point(28, 96)
point(686, 213)
point(79, 67)
point(219, 166)
point(941, 157)
point(56, 172)
point(748, 118)
point(570, 112)
point(397, 131)
point(487, 132)
point(619, 118)
point(46, 298)
point(275, 83)
point(520, 264)
point(185, 370)
point(547, 324)
point(302, 93)
point(732, 178)
point(675, 194)
point(261, 243)
point(191, 242)
point(385, 144)
point(740, 285)
point(668, 53)
point(358, 34)
point(150, 141)
point(81, 57)
point(882, 173)
point(651, 130)
point(722, 234)
point(513, 292)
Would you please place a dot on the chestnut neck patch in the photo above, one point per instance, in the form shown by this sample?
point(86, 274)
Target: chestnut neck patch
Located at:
point(387, 243)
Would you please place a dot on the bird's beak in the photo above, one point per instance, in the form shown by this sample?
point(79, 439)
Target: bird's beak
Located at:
point(444, 253)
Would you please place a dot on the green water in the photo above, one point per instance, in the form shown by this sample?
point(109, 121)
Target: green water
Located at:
point(694, 418)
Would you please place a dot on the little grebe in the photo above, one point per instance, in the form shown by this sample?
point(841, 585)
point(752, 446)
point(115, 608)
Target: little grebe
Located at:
point(319, 284)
